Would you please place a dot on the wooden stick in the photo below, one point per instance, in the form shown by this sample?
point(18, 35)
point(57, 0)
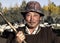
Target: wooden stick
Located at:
point(10, 24)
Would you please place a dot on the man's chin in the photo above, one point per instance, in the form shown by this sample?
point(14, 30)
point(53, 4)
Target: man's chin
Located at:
point(32, 26)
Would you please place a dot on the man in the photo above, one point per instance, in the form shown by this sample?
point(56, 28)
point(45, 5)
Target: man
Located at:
point(32, 32)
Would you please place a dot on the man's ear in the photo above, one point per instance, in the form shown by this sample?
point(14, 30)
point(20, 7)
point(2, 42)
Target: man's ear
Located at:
point(40, 18)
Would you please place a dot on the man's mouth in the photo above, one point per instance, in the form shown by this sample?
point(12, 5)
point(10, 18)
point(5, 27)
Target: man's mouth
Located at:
point(32, 22)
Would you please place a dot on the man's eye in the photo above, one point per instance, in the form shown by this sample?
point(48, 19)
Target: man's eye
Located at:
point(27, 15)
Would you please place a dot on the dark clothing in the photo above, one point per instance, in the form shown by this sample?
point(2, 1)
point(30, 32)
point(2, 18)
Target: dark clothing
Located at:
point(45, 35)
point(3, 40)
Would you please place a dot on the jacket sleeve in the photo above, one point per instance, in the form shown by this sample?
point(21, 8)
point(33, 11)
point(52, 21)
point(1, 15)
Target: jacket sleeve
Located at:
point(55, 38)
point(11, 37)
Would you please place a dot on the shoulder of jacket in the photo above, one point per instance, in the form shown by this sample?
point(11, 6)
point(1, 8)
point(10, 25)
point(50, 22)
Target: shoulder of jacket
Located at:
point(47, 28)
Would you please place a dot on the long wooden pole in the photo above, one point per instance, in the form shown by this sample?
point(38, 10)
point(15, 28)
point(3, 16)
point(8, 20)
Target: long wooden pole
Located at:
point(10, 24)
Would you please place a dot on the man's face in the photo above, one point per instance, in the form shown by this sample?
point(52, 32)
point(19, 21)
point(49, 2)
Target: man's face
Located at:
point(32, 19)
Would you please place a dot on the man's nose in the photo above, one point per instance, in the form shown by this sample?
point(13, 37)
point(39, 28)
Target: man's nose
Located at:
point(31, 17)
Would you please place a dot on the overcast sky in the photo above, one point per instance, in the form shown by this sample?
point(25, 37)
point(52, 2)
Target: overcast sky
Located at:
point(8, 3)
